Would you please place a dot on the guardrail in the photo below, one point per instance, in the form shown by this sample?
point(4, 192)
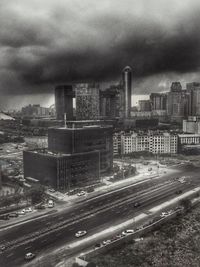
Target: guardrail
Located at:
point(130, 237)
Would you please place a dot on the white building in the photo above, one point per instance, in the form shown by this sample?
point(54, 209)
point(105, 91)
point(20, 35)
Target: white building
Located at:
point(191, 125)
point(159, 143)
point(189, 139)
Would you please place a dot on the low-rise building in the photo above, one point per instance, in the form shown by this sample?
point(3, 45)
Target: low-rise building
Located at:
point(156, 143)
point(191, 125)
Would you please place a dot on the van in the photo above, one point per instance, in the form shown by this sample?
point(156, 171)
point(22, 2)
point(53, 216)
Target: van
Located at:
point(50, 204)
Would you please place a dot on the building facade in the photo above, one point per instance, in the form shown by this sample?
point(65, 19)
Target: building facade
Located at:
point(192, 125)
point(62, 171)
point(156, 143)
point(177, 103)
point(87, 101)
point(64, 101)
point(144, 105)
point(158, 101)
point(193, 90)
point(85, 139)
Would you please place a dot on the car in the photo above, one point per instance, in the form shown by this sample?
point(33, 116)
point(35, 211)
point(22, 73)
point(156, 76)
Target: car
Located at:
point(163, 214)
point(98, 245)
point(128, 232)
point(5, 217)
point(28, 209)
point(106, 242)
point(82, 193)
point(178, 192)
point(81, 233)
point(13, 215)
point(41, 207)
point(52, 190)
point(2, 247)
point(137, 204)
point(29, 256)
point(50, 204)
point(22, 212)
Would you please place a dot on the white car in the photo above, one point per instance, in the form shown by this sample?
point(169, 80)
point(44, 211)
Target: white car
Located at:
point(106, 242)
point(28, 209)
point(22, 212)
point(52, 190)
point(163, 214)
point(80, 233)
point(128, 232)
point(50, 204)
point(82, 193)
point(29, 256)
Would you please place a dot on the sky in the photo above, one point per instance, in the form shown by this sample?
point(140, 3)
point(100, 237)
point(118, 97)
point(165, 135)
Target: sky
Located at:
point(50, 42)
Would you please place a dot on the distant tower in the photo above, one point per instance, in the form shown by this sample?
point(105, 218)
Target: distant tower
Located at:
point(64, 101)
point(127, 86)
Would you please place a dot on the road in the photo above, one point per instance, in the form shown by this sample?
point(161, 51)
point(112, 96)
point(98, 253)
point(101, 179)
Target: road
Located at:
point(92, 215)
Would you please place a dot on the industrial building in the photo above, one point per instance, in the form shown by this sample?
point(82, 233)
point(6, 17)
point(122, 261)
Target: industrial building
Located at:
point(62, 171)
point(75, 157)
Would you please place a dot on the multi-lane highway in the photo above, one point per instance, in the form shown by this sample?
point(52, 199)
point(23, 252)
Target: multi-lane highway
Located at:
point(42, 235)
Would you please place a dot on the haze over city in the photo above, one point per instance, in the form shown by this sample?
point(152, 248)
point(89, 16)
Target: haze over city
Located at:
point(99, 133)
point(44, 43)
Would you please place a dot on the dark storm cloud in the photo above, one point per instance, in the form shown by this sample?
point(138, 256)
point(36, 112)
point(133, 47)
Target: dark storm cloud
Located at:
point(43, 43)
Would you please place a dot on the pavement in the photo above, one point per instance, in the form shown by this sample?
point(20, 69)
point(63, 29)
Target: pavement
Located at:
point(114, 230)
point(69, 201)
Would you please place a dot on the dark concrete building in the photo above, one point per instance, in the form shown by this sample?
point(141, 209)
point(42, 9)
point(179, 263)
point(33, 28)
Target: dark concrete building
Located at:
point(75, 157)
point(64, 95)
point(85, 139)
point(62, 171)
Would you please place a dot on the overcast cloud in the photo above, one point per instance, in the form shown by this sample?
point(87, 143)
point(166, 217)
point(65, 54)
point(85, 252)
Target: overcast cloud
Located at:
point(47, 42)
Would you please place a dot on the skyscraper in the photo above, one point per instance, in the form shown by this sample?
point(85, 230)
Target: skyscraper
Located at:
point(127, 86)
point(177, 102)
point(158, 101)
point(87, 101)
point(64, 101)
point(193, 90)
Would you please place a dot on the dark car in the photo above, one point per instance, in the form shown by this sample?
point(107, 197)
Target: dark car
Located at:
point(13, 215)
point(179, 192)
point(4, 217)
point(137, 204)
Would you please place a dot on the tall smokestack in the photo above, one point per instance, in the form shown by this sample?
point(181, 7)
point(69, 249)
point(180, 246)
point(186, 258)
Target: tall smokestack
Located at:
point(65, 120)
point(127, 86)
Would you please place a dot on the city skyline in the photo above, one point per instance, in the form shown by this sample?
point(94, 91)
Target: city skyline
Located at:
point(42, 50)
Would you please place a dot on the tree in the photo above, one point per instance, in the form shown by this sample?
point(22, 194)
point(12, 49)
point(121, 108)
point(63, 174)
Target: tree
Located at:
point(186, 203)
point(36, 194)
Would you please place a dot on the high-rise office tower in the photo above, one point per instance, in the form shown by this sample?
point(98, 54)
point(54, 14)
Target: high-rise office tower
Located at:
point(158, 101)
point(87, 101)
point(193, 90)
point(127, 86)
point(109, 102)
point(64, 101)
point(177, 102)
